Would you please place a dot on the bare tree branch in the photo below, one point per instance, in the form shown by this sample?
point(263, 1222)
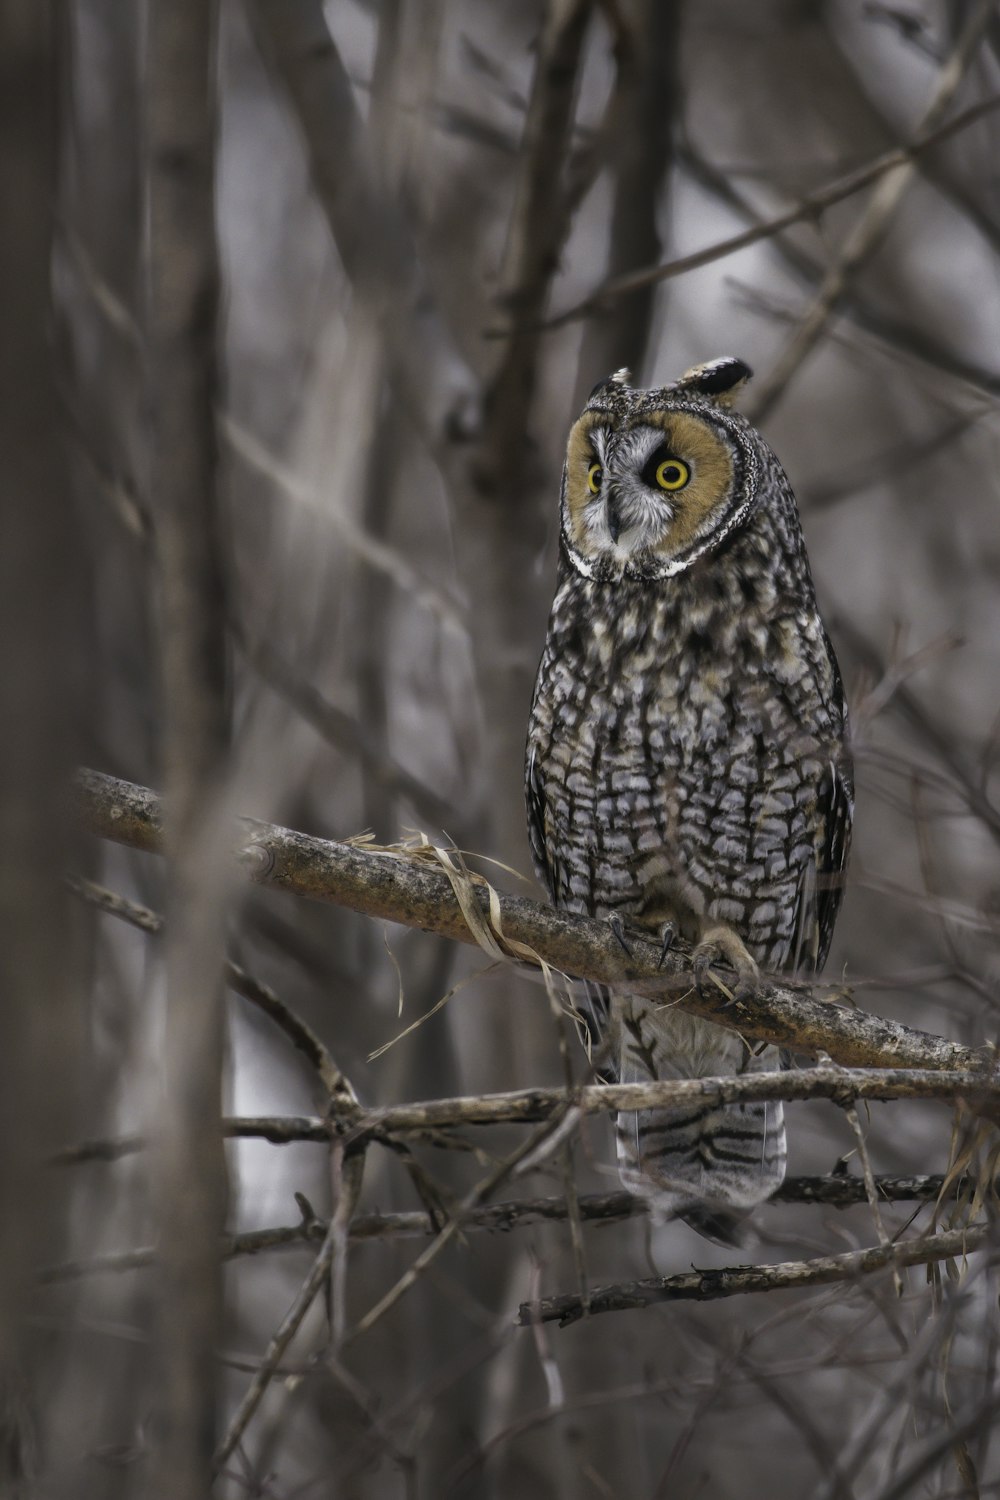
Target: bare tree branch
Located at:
point(537, 228)
point(705, 1286)
point(843, 1085)
point(372, 237)
point(867, 234)
point(646, 103)
point(347, 732)
point(45, 701)
point(870, 1190)
point(521, 1159)
point(335, 1085)
point(180, 324)
point(812, 205)
point(837, 1191)
point(403, 886)
point(292, 1320)
point(870, 317)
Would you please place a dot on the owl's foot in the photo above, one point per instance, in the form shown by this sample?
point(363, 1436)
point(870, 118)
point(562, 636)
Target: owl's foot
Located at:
point(722, 945)
point(667, 935)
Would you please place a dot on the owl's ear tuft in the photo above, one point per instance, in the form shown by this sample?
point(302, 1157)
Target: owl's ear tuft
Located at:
point(620, 378)
point(720, 379)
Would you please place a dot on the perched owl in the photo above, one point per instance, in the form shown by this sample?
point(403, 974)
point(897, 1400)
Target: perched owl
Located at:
point(687, 762)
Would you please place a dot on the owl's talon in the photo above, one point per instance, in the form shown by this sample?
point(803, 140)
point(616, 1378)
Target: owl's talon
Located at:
point(720, 945)
point(618, 928)
point(745, 989)
point(667, 936)
point(701, 966)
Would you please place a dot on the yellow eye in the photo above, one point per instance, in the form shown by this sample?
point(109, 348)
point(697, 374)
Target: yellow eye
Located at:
point(672, 474)
point(594, 476)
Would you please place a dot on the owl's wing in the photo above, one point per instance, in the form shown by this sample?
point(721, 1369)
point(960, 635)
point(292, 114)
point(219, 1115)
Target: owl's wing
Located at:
point(534, 797)
point(594, 1011)
point(822, 886)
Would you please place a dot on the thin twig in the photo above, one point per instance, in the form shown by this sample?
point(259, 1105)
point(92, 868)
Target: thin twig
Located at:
point(809, 209)
point(907, 702)
point(375, 554)
point(868, 232)
point(299, 1032)
point(528, 1150)
point(348, 1170)
point(543, 1347)
point(870, 1189)
point(705, 1286)
point(372, 236)
point(836, 1191)
point(279, 1342)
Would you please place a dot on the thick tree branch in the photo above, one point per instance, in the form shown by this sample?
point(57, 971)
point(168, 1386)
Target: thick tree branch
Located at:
point(407, 887)
point(645, 103)
point(538, 225)
point(47, 705)
point(707, 1286)
point(180, 325)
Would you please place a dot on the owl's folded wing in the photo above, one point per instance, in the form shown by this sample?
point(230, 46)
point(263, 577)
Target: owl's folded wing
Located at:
point(821, 889)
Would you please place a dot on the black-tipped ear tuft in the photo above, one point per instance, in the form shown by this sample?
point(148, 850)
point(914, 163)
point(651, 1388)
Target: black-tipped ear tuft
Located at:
point(721, 379)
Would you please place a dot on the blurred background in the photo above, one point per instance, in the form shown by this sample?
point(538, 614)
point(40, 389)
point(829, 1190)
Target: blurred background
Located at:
point(421, 211)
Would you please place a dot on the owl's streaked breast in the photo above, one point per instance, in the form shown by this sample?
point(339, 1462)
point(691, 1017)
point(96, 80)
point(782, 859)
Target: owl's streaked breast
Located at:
point(679, 732)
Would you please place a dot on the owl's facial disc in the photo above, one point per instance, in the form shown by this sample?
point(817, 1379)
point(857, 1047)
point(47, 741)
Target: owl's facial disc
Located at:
point(645, 497)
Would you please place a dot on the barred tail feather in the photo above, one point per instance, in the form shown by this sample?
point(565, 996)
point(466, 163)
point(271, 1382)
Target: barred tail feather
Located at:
point(710, 1165)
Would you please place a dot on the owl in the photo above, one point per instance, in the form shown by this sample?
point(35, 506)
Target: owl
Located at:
point(687, 772)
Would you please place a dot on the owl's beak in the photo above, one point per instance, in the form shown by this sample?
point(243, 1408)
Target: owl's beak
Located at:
point(613, 515)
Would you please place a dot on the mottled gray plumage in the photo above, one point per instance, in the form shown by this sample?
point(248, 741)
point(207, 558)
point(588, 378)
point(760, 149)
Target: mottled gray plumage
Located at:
point(686, 762)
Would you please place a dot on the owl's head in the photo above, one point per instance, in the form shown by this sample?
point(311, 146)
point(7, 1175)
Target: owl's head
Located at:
point(655, 479)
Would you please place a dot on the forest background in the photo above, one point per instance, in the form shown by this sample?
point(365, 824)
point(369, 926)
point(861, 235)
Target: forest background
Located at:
point(299, 303)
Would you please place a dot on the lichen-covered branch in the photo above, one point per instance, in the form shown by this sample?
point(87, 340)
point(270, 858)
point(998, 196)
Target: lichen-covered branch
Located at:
point(408, 887)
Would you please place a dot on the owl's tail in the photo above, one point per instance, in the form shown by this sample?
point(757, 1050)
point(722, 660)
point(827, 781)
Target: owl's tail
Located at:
point(708, 1164)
